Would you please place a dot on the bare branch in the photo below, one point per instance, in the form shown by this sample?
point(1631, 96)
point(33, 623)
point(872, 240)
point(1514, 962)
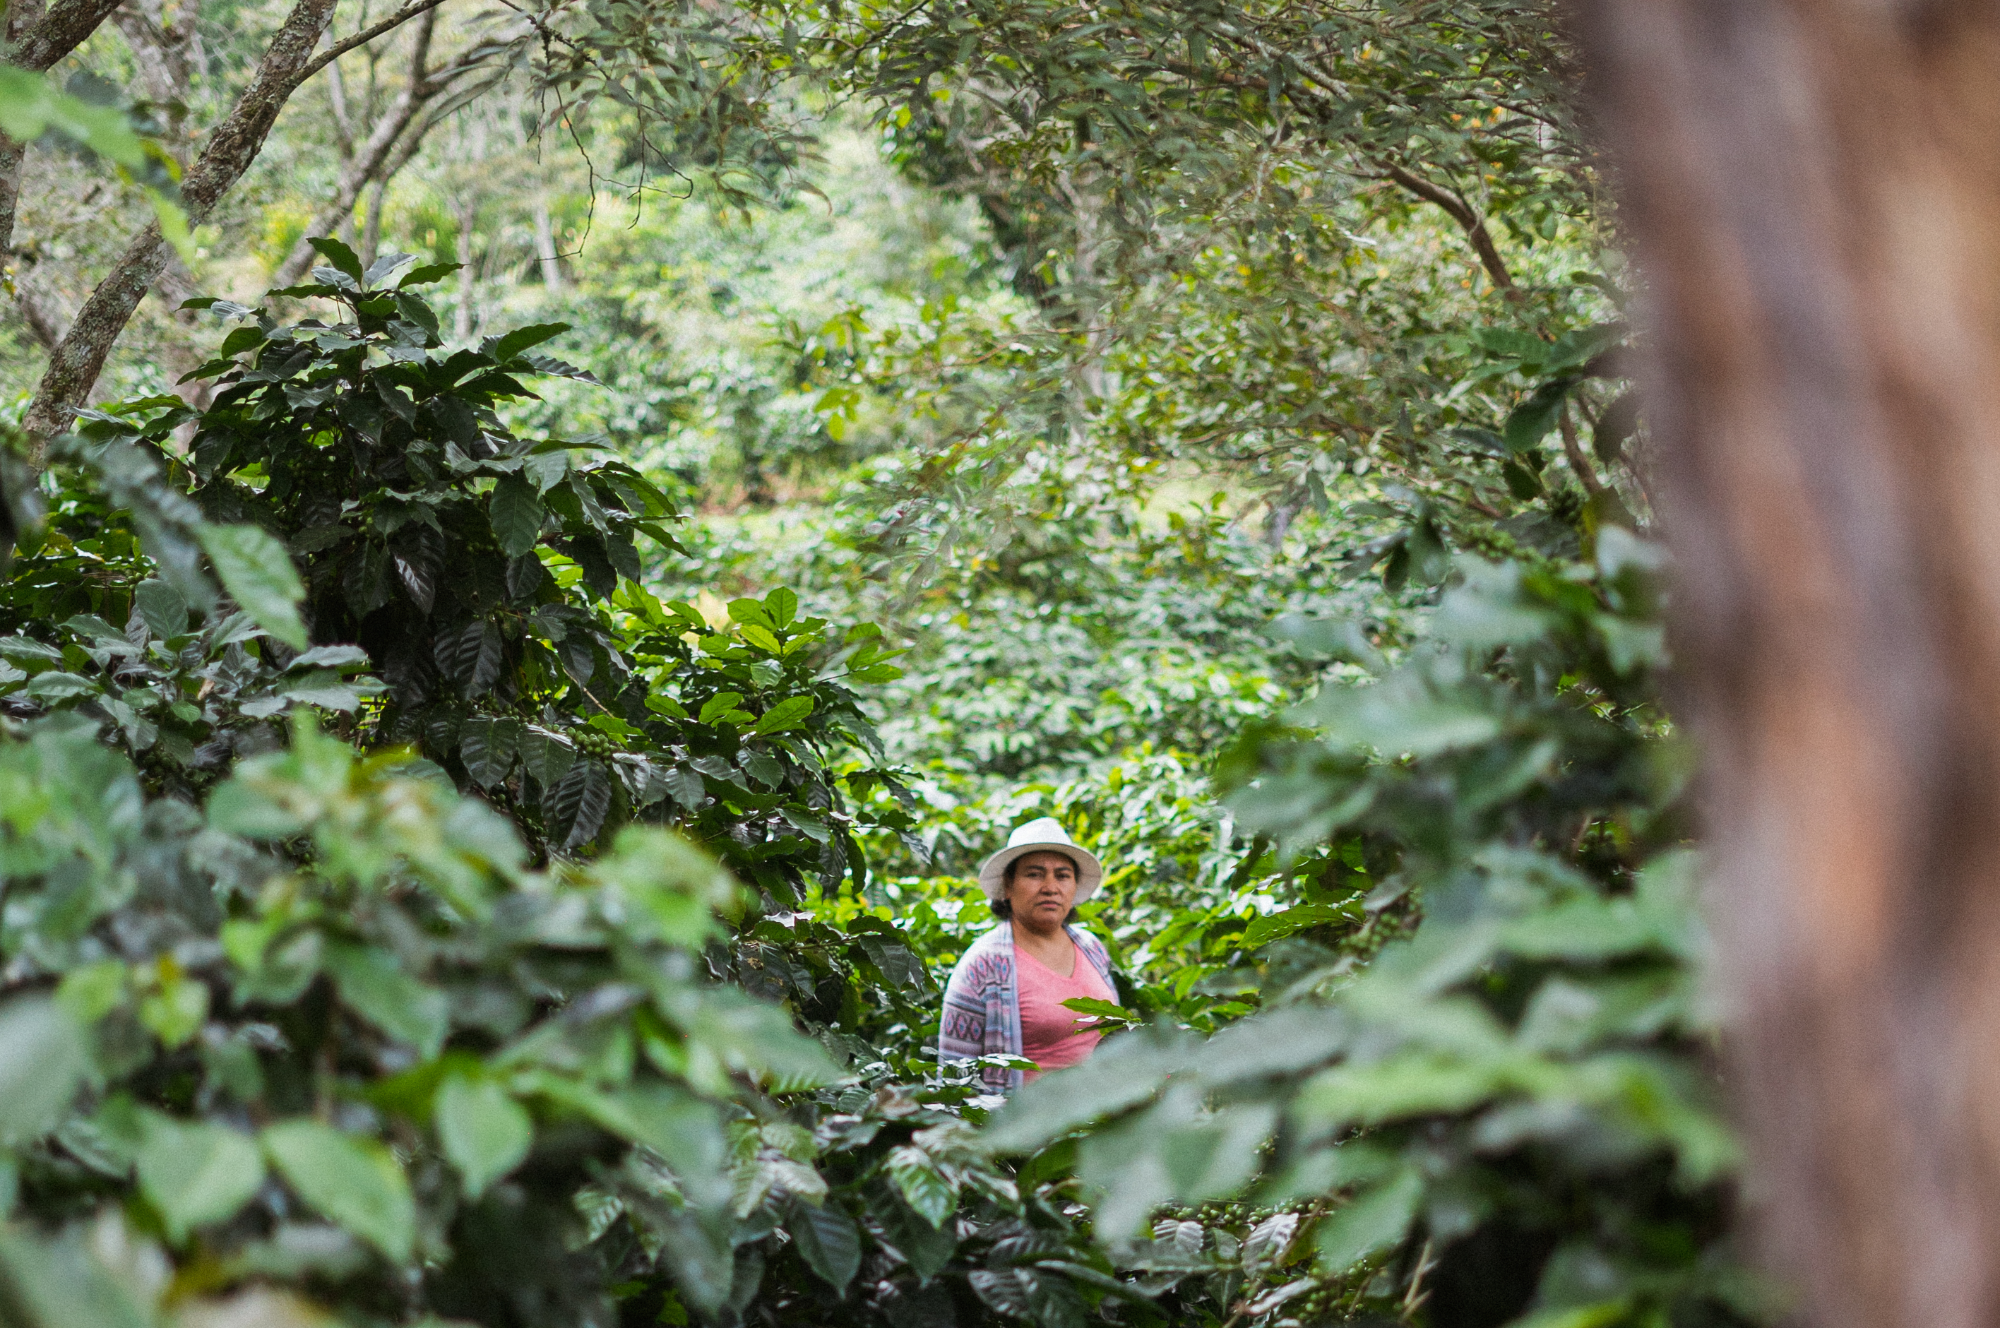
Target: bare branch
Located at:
point(1578, 462)
point(388, 148)
point(1467, 218)
point(366, 35)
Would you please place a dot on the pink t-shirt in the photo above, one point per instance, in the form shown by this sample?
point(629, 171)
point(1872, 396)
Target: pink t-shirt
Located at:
point(1049, 1033)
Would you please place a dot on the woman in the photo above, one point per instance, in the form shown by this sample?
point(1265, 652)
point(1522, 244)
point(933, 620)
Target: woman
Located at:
point(1006, 995)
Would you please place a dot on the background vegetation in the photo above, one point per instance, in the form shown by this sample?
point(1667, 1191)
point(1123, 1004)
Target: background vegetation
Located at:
point(485, 831)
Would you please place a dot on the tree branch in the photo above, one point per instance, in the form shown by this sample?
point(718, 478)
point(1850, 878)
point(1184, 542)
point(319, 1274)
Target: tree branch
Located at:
point(388, 148)
point(61, 30)
point(366, 35)
point(77, 362)
point(1468, 220)
point(1578, 462)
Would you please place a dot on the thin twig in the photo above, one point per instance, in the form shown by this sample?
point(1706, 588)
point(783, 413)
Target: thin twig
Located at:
point(1578, 462)
point(366, 35)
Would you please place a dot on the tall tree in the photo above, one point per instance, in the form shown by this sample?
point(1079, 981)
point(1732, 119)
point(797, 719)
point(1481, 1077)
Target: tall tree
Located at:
point(1816, 205)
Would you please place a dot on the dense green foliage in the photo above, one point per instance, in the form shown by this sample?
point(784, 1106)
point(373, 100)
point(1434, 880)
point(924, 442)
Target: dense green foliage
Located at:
point(469, 855)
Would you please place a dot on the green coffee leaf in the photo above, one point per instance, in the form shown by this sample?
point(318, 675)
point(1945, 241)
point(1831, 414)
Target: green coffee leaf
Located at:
point(787, 714)
point(922, 1185)
point(1369, 1223)
point(259, 575)
point(828, 1241)
point(196, 1173)
point(42, 1061)
point(353, 1181)
point(485, 1133)
point(342, 258)
point(516, 514)
point(162, 608)
point(375, 986)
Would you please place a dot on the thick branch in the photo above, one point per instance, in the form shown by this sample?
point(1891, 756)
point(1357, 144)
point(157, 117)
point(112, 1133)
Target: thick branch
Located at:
point(1468, 220)
point(60, 31)
point(35, 39)
point(77, 362)
point(11, 154)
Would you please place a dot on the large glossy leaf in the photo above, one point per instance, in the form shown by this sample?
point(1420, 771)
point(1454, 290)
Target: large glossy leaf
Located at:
point(353, 1180)
point(42, 1062)
point(258, 573)
point(485, 1133)
point(516, 513)
point(374, 984)
point(922, 1185)
point(828, 1241)
point(195, 1172)
point(578, 804)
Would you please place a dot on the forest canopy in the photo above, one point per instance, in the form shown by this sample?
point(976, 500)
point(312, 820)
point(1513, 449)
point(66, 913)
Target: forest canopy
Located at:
point(547, 542)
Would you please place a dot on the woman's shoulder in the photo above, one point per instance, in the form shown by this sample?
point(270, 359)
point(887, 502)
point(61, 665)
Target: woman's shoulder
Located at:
point(991, 952)
point(1096, 947)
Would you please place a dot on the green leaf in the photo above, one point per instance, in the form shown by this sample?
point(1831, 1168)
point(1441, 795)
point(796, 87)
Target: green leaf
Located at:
point(375, 986)
point(787, 714)
point(922, 1185)
point(175, 1012)
point(30, 107)
point(42, 1061)
point(163, 609)
point(472, 656)
point(258, 573)
point(487, 747)
point(67, 1281)
point(1101, 1010)
point(751, 611)
point(783, 605)
point(1270, 927)
point(547, 757)
point(517, 514)
point(343, 259)
point(355, 1182)
point(485, 1133)
point(1528, 422)
point(196, 1173)
point(509, 344)
point(580, 801)
point(719, 705)
point(1370, 1223)
point(828, 1241)
point(762, 638)
point(423, 276)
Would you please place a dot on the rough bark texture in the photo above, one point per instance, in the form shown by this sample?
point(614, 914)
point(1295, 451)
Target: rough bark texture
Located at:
point(1814, 194)
point(37, 36)
point(76, 363)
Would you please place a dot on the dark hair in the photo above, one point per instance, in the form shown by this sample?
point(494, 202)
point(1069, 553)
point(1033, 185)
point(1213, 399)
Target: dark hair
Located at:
point(1003, 907)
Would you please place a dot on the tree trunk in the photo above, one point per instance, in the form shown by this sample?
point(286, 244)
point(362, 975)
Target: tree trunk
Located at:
point(1814, 196)
point(36, 37)
point(76, 363)
point(545, 244)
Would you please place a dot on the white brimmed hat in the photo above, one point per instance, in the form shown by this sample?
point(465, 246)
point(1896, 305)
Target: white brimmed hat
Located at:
point(1043, 835)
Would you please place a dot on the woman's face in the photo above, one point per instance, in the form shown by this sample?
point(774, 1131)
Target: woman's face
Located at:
point(1042, 891)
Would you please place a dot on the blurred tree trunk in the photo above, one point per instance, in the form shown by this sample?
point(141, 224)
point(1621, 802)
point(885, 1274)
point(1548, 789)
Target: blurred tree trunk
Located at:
point(1813, 190)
